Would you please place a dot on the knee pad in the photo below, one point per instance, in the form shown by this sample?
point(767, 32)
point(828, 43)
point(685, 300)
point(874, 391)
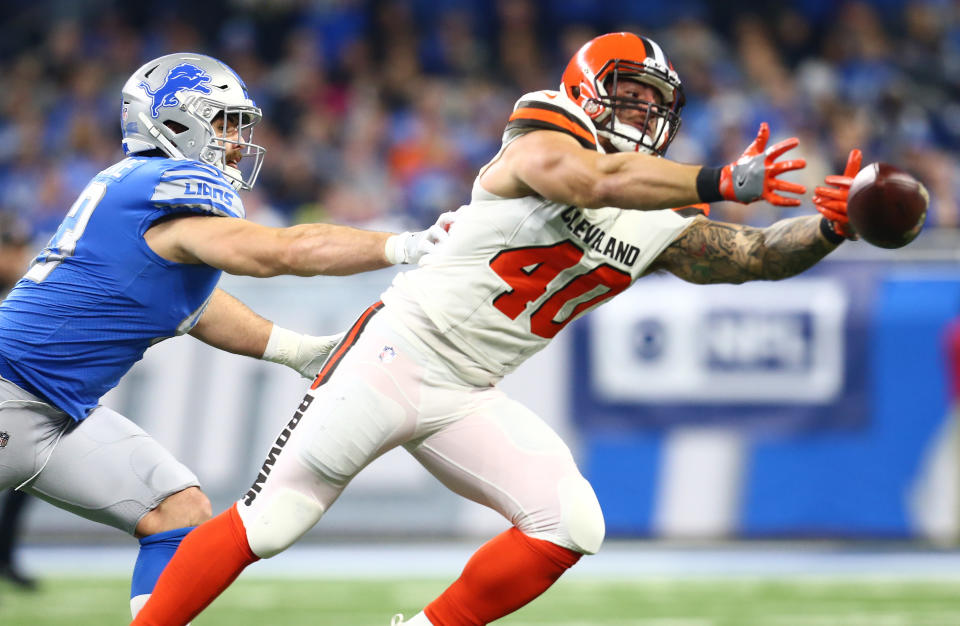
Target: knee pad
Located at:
point(279, 523)
point(581, 515)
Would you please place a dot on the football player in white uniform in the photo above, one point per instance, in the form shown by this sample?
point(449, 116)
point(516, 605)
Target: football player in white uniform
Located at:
point(573, 209)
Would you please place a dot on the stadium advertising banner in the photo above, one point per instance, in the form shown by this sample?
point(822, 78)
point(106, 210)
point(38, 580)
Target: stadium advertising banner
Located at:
point(815, 406)
point(748, 344)
point(767, 355)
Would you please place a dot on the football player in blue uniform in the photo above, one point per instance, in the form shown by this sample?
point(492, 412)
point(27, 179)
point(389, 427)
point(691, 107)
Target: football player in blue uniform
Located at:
point(136, 260)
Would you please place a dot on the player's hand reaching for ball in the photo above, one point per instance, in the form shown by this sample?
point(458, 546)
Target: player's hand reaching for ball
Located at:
point(832, 201)
point(755, 174)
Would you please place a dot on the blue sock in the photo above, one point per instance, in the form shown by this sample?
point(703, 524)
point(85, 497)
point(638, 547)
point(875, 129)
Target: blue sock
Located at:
point(155, 552)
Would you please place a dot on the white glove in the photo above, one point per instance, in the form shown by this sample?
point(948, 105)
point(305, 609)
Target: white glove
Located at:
point(411, 247)
point(304, 353)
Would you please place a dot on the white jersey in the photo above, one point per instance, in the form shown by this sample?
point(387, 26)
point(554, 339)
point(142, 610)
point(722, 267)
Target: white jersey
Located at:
point(514, 272)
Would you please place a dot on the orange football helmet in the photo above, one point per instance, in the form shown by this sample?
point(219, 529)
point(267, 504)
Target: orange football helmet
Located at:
point(591, 78)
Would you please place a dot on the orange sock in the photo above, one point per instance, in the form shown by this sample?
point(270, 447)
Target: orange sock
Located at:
point(507, 572)
point(205, 564)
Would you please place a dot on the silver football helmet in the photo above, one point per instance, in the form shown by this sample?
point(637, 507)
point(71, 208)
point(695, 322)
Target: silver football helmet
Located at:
point(170, 105)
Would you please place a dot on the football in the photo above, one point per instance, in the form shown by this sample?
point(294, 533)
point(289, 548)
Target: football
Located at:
point(887, 206)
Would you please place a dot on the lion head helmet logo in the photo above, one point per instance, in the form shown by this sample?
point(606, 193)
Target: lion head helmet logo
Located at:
point(183, 77)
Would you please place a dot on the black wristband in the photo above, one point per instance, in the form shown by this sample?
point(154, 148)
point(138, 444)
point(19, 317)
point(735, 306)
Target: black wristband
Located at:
point(826, 229)
point(708, 184)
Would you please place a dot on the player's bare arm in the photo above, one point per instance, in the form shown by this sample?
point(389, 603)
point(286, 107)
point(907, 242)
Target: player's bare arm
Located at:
point(245, 248)
point(717, 252)
point(556, 167)
point(230, 325)
point(553, 165)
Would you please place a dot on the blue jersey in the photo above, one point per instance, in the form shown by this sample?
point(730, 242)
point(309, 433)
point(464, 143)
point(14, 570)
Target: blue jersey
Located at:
point(97, 296)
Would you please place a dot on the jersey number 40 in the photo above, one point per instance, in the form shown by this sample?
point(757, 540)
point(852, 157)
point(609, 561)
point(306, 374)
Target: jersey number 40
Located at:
point(529, 272)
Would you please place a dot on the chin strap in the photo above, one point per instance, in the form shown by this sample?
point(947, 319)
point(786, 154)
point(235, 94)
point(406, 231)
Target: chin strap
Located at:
point(234, 175)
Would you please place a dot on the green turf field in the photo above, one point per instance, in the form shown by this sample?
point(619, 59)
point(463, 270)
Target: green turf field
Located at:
point(269, 602)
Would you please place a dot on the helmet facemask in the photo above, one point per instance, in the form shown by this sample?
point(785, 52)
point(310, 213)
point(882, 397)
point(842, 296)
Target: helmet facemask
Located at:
point(660, 123)
point(236, 131)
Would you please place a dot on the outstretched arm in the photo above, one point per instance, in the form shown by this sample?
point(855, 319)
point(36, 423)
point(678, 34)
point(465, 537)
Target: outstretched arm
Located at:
point(249, 249)
point(237, 246)
point(230, 325)
point(717, 252)
point(555, 166)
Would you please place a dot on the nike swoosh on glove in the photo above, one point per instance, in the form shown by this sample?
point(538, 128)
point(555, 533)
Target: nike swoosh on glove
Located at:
point(754, 175)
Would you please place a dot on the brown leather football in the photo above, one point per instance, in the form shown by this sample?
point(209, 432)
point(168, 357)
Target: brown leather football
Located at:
point(887, 206)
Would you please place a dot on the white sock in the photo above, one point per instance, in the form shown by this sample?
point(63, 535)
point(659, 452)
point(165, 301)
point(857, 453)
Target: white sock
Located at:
point(137, 602)
point(420, 619)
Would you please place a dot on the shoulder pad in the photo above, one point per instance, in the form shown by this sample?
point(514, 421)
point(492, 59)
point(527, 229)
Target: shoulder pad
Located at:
point(196, 187)
point(550, 110)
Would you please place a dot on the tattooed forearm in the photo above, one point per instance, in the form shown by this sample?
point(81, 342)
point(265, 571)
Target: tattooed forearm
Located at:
point(792, 246)
point(716, 252)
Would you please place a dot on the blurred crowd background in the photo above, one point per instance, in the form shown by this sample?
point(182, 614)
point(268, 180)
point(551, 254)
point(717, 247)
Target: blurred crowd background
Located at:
point(379, 113)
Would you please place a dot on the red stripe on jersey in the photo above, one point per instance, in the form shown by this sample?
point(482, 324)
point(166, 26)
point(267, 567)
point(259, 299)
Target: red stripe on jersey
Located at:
point(351, 338)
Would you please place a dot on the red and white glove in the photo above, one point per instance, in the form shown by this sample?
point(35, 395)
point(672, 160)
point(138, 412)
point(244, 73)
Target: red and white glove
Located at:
point(832, 201)
point(754, 175)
